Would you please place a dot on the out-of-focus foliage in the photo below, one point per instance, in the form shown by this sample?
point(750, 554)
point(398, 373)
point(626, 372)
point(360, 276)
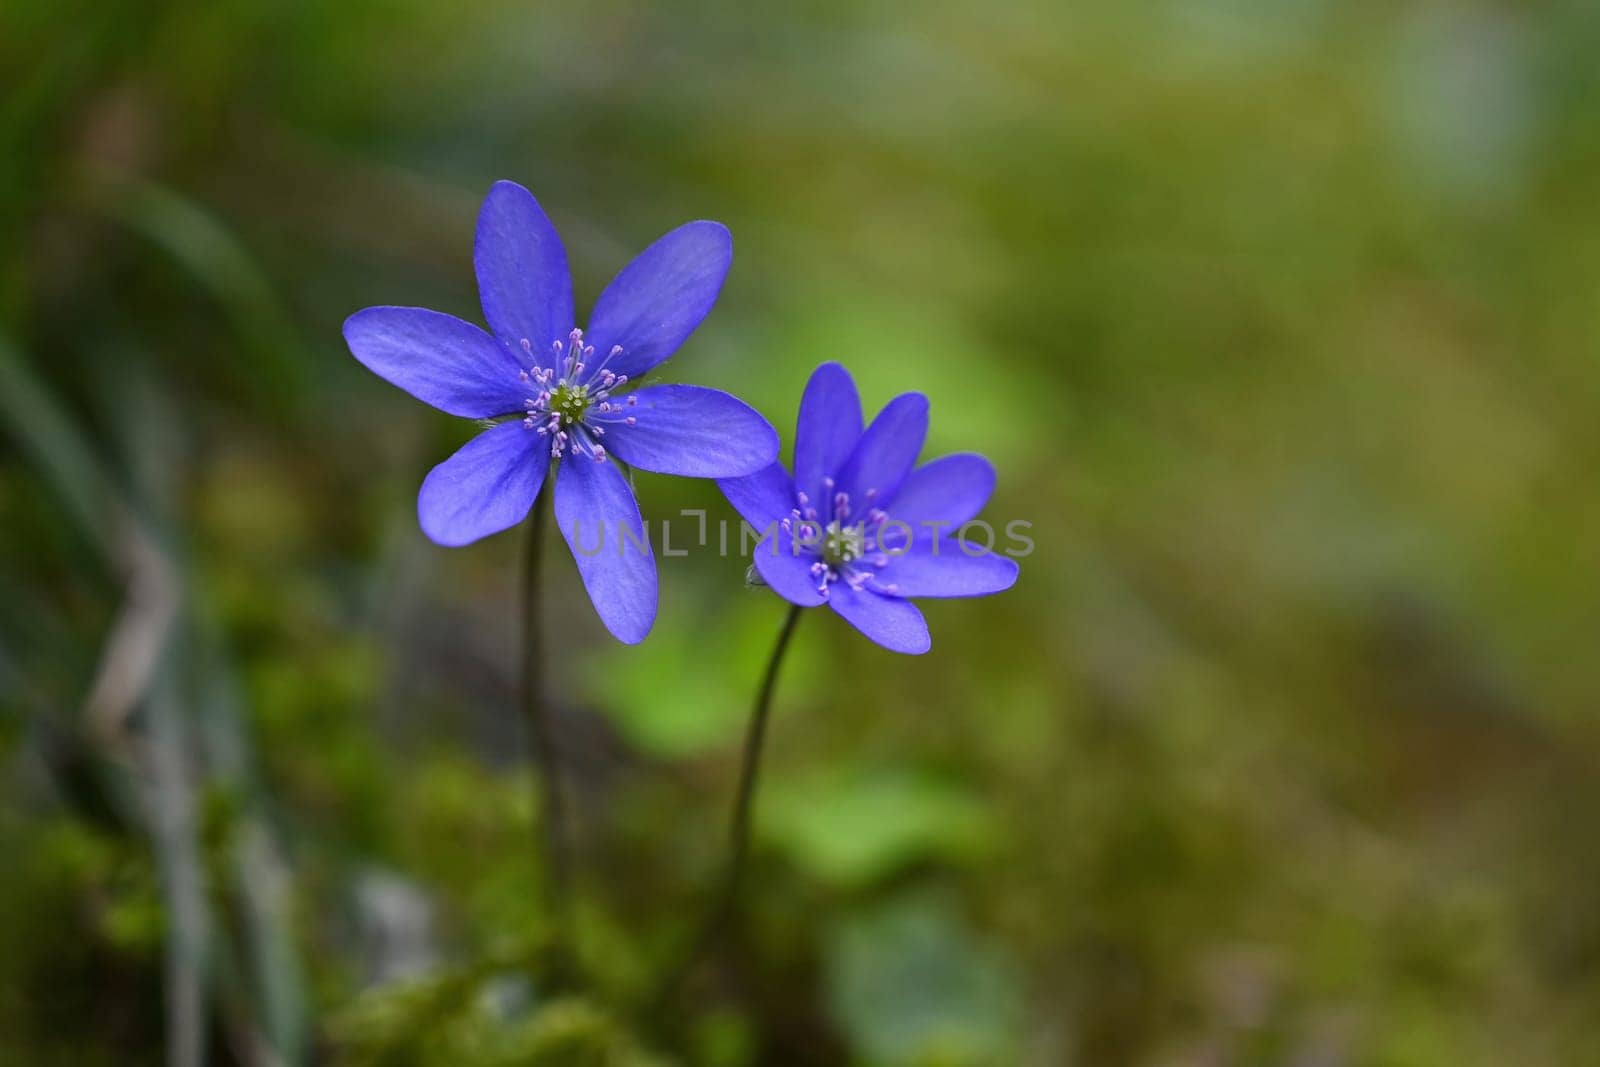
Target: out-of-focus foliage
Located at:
point(1281, 321)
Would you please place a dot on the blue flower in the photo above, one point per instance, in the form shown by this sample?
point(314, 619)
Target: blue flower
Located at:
point(857, 528)
point(560, 393)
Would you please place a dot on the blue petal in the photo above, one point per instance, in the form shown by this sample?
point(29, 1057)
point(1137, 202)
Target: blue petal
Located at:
point(895, 624)
point(438, 359)
point(691, 431)
point(827, 430)
point(951, 489)
point(941, 568)
point(886, 452)
point(487, 486)
point(658, 299)
point(523, 281)
point(788, 573)
point(600, 520)
point(765, 499)
point(762, 498)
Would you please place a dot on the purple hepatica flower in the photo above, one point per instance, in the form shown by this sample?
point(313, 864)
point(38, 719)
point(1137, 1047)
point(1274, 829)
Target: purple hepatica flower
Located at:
point(565, 392)
point(857, 528)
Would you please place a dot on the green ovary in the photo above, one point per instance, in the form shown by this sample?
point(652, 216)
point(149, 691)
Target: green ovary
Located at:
point(571, 402)
point(843, 543)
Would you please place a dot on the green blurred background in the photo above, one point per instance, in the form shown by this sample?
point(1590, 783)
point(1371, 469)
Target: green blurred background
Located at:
point(1280, 320)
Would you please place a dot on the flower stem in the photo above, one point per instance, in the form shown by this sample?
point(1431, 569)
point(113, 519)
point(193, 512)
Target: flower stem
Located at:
point(549, 800)
point(739, 827)
point(738, 830)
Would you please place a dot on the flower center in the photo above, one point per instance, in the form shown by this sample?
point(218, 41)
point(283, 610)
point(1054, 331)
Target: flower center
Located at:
point(569, 403)
point(851, 552)
point(842, 543)
point(573, 400)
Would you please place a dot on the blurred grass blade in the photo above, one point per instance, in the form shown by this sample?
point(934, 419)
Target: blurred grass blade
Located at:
point(43, 432)
point(177, 848)
point(261, 977)
point(66, 460)
point(256, 866)
point(223, 266)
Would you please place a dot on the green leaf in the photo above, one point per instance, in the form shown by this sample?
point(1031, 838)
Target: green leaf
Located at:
point(688, 689)
point(854, 826)
point(910, 984)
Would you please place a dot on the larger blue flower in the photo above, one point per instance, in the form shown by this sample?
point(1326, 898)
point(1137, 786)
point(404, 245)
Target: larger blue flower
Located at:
point(857, 528)
point(565, 392)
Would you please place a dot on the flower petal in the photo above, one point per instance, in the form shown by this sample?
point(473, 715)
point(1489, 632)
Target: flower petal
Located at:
point(600, 520)
point(827, 430)
point(692, 431)
point(788, 573)
point(893, 623)
point(941, 568)
point(658, 299)
point(523, 280)
point(437, 358)
point(886, 452)
point(487, 486)
point(764, 497)
point(951, 489)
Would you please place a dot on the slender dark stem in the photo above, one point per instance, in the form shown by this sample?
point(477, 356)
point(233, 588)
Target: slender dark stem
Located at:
point(548, 794)
point(749, 773)
point(739, 828)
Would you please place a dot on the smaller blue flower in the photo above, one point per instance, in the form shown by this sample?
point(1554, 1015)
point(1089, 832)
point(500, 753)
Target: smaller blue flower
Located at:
point(857, 528)
point(558, 393)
